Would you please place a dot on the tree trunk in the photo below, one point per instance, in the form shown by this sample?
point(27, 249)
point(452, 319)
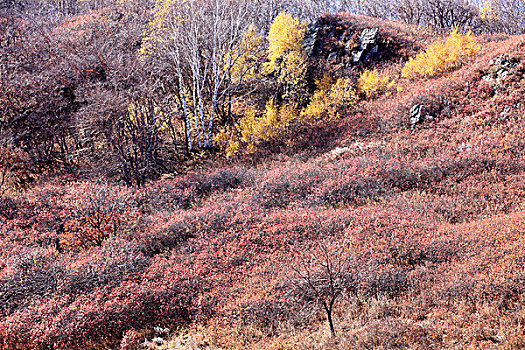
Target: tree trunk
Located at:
point(331, 323)
point(329, 310)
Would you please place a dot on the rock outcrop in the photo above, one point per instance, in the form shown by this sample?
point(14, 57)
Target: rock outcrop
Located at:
point(311, 39)
point(319, 35)
point(366, 46)
point(500, 68)
point(418, 114)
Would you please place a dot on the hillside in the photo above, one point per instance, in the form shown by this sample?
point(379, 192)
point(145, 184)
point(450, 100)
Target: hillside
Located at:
point(414, 227)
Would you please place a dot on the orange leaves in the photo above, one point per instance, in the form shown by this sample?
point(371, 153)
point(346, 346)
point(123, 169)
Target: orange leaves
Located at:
point(216, 245)
point(93, 216)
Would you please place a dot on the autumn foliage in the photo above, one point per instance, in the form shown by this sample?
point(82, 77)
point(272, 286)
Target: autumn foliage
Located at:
point(332, 224)
point(285, 56)
point(372, 83)
point(442, 56)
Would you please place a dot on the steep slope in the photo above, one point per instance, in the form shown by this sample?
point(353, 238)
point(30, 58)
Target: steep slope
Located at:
point(427, 223)
point(432, 216)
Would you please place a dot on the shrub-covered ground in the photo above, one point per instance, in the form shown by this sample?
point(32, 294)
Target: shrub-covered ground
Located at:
point(427, 224)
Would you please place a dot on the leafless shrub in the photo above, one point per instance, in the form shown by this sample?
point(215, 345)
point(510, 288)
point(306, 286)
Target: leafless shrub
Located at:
point(319, 279)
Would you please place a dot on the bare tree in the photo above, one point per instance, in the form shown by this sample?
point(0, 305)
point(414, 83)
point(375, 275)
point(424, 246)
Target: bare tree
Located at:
point(449, 14)
point(122, 123)
point(319, 278)
point(508, 16)
point(37, 95)
point(411, 11)
point(204, 44)
point(5, 167)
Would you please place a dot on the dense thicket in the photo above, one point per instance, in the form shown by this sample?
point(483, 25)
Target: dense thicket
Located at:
point(128, 89)
point(375, 179)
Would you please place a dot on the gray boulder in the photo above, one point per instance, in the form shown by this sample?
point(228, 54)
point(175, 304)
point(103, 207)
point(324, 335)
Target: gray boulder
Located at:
point(420, 113)
point(366, 45)
point(311, 39)
point(332, 56)
point(499, 69)
point(416, 115)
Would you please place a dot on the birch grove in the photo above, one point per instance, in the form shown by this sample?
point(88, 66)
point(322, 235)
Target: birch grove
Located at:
point(200, 42)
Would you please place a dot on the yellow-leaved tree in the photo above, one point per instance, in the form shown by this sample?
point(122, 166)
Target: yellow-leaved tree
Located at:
point(442, 55)
point(209, 52)
point(242, 60)
point(372, 83)
point(287, 63)
point(330, 98)
point(252, 129)
point(286, 59)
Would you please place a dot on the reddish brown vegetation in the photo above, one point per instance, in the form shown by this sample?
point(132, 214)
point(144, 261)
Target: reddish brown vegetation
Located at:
point(431, 221)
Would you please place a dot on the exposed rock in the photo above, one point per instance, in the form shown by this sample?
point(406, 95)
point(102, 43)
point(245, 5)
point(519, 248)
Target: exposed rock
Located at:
point(366, 45)
point(332, 56)
point(510, 111)
point(357, 41)
point(499, 69)
point(338, 151)
point(158, 341)
point(349, 46)
point(416, 115)
point(464, 147)
point(311, 39)
point(355, 148)
point(155, 343)
point(161, 331)
point(504, 61)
